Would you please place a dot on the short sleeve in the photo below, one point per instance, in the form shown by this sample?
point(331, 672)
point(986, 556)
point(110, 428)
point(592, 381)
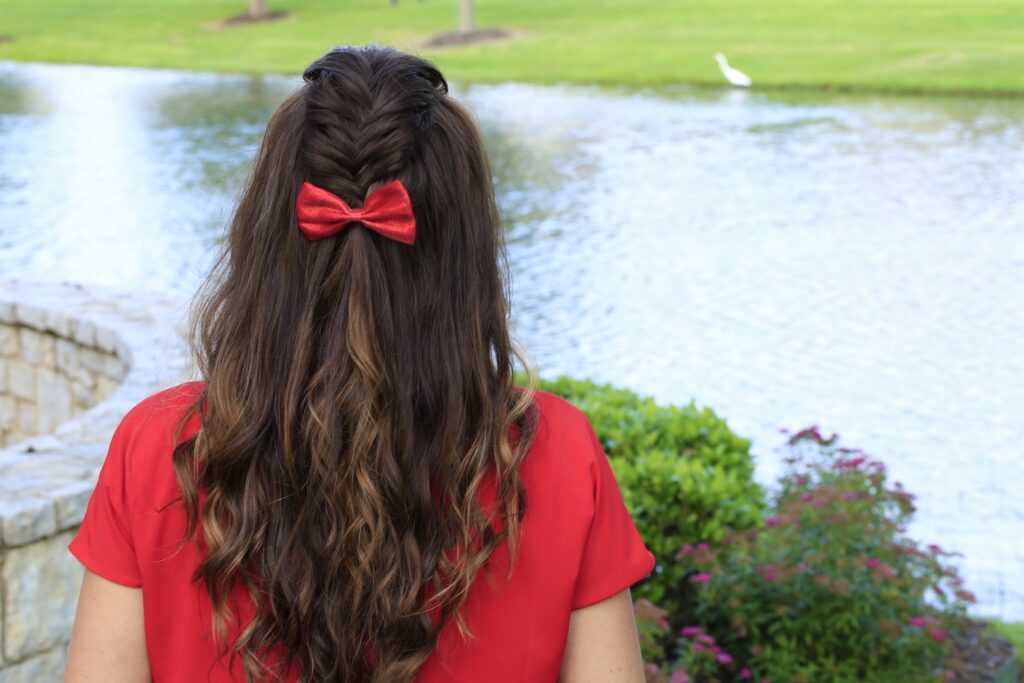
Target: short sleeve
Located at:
point(614, 556)
point(103, 542)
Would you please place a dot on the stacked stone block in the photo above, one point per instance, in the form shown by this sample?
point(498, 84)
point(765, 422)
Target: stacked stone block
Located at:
point(73, 361)
point(52, 368)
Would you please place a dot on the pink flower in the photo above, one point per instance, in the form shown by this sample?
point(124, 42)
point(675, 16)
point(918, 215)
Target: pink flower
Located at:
point(686, 549)
point(755, 650)
point(806, 497)
point(745, 673)
point(935, 549)
point(705, 638)
point(702, 547)
point(690, 631)
point(680, 677)
point(851, 495)
point(701, 578)
point(918, 621)
point(652, 668)
point(938, 634)
point(662, 623)
point(771, 521)
point(872, 563)
point(724, 658)
point(698, 647)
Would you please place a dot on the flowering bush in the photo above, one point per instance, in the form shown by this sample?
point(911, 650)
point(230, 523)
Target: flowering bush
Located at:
point(828, 588)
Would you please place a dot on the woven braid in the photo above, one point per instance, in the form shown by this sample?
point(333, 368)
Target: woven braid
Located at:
point(362, 119)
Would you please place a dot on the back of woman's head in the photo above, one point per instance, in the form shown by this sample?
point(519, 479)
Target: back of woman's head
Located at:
point(358, 390)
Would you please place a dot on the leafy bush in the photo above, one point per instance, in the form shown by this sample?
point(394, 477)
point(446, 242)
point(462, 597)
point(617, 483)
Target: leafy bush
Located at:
point(828, 588)
point(685, 477)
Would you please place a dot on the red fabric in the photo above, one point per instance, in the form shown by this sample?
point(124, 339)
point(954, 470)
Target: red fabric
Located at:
point(578, 546)
point(388, 210)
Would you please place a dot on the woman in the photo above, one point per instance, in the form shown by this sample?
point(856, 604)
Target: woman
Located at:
point(357, 490)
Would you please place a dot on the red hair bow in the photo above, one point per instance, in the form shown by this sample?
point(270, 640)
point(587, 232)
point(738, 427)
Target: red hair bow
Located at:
point(388, 211)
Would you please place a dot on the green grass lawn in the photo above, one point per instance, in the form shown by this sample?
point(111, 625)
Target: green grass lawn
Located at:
point(1014, 632)
point(908, 45)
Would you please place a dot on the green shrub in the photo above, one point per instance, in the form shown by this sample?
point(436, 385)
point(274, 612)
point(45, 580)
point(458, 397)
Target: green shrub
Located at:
point(828, 588)
point(685, 477)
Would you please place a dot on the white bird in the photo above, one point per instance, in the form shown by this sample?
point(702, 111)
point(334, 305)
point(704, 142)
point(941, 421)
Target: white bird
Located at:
point(734, 76)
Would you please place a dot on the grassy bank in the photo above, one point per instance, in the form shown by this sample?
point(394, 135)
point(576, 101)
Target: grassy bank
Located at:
point(909, 45)
point(1014, 632)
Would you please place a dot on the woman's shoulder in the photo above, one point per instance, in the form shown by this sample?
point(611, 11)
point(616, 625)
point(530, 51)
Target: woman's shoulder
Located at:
point(148, 432)
point(564, 434)
point(155, 413)
point(557, 409)
point(167, 401)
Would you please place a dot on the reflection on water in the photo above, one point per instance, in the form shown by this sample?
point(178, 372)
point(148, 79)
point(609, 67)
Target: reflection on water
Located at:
point(787, 259)
point(199, 126)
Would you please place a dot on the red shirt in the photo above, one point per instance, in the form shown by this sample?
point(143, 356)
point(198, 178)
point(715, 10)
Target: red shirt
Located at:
point(578, 546)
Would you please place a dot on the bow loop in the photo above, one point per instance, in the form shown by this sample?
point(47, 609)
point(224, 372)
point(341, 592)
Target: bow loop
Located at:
point(388, 210)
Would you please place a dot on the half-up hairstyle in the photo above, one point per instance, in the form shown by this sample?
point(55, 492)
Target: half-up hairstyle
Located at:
point(358, 390)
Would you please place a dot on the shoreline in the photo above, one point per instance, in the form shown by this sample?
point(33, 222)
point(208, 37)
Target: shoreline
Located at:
point(653, 85)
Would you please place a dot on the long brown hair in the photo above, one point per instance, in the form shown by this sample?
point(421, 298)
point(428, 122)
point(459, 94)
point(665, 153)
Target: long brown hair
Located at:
point(353, 383)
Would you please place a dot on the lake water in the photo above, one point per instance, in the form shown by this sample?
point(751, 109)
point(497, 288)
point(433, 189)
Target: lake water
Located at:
point(854, 262)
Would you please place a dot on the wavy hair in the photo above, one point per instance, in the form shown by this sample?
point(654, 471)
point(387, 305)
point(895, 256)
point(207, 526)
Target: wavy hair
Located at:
point(358, 391)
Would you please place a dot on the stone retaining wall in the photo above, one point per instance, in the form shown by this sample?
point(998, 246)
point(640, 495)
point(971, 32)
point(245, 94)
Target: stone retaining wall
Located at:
point(52, 368)
point(73, 361)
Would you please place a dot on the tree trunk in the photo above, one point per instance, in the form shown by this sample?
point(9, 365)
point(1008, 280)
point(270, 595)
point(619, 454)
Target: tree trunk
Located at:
point(257, 8)
point(466, 21)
